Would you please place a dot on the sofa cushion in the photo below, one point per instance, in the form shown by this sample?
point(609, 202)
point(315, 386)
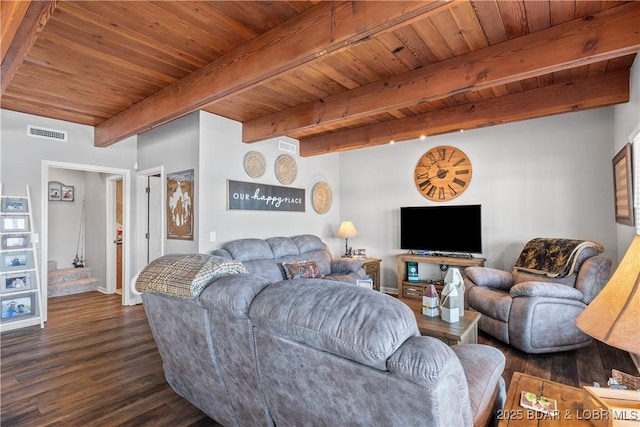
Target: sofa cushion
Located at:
point(249, 249)
point(483, 366)
point(283, 246)
point(184, 276)
point(233, 294)
point(332, 317)
point(302, 270)
point(489, 277)
point(313, 249)
point(491, 302)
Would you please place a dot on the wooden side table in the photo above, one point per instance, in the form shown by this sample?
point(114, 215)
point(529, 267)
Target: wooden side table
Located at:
point(463, 332)
point(570, 400)
point(372, 269)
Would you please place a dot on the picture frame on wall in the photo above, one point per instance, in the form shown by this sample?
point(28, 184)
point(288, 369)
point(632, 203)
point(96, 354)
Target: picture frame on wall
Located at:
point(55, 191)
point(16, 282)
point(622, 186)
point(68, 193)
point(15, 241)
point(180, 199)
point(16, 260)
point(14, 224)
point(17, 307)
point(14, 205)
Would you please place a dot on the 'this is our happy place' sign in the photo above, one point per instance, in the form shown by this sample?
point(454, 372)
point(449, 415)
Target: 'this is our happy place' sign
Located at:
point(263, 197)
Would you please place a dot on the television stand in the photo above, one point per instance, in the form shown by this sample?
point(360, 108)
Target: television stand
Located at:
point(415, 290)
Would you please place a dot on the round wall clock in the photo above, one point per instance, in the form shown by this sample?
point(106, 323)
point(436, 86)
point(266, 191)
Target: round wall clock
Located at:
point(442, 173)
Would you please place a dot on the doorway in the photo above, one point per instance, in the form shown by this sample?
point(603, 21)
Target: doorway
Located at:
point(108, 263)
point(150, 196)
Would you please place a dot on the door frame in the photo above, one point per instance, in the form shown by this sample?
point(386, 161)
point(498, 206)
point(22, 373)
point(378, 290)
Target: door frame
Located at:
point(141, 209)
point(111, 279)
point(126, 226)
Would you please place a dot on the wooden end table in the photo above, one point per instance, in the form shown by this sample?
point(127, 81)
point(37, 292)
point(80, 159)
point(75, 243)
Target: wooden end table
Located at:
point(463, 332)
point(571, 411)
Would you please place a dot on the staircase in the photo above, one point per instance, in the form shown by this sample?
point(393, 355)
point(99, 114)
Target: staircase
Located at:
point(69, 281)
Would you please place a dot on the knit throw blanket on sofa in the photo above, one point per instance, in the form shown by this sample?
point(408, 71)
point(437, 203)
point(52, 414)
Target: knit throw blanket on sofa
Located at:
point(553, 257)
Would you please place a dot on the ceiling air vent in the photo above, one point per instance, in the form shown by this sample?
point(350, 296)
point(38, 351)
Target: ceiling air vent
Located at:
point(286, 146)
point(40, 132)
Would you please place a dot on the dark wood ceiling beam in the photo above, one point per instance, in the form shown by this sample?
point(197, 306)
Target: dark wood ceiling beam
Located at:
point(602, 90)
point(32, 20)
point(325, 28)
point(605, 35)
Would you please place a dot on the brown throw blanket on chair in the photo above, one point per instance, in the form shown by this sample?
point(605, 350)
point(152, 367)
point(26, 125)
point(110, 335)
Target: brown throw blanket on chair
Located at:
point(553, 257)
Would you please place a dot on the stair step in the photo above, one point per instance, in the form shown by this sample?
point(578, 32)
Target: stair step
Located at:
point(67, 274)
point(72, 287)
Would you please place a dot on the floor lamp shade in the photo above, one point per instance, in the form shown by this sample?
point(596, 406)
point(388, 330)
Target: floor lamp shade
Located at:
point(613, 317)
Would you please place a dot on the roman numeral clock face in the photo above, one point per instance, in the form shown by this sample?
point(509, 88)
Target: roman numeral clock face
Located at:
point(442, 173)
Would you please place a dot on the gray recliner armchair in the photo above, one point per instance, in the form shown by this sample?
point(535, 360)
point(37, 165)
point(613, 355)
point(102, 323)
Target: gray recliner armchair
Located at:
point(534, 308)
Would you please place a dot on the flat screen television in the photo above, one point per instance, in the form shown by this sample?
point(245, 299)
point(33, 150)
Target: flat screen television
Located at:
point(455, 229)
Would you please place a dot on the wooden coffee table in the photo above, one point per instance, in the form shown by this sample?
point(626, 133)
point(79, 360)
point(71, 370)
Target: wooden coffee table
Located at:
point(463, 332)
point(571, 412)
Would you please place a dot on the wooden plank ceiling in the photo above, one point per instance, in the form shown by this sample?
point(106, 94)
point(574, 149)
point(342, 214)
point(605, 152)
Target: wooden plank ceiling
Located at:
point(335, 75)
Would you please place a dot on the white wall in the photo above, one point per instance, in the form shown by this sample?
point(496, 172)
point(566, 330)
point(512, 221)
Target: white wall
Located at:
point(64, 218)
point(96, 225)
point(174, 145)
point(548, 177)
point(221, 158)
point(22, 157)
point(627, 119)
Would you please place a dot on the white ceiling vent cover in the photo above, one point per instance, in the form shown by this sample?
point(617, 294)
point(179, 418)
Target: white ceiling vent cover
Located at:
point(286, 146)
point(52, 134)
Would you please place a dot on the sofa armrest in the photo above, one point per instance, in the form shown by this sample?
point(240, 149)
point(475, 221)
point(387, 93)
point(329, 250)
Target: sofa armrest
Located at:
point(545, 289)
point(433, 366)
point(346, 265)
point(233, 294)
point(489, 277)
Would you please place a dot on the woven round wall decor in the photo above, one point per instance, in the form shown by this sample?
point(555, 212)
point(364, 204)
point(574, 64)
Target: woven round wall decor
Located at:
point(254, 164)
point(286, 169)
point(321, 197)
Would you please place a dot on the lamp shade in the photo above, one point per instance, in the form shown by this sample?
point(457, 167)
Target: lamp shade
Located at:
point(347, 230)
point(613, 317)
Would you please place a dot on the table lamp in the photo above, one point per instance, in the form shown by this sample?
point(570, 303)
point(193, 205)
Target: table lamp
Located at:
point(347, 230)
point(613, 317)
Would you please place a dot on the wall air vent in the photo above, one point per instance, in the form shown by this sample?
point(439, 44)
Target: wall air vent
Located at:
point(52, 134)
point(287, 146)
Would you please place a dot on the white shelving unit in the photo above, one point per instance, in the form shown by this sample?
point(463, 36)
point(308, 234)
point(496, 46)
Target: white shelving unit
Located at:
point(20, 292)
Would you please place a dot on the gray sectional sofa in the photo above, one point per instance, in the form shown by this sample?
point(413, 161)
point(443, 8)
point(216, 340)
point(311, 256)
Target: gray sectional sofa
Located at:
point(251, 348)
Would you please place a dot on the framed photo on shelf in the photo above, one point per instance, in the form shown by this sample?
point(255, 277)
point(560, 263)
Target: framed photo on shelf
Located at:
point(16, 282)
point(16, 261)
point(14, 223)
point(18, 308)
point(67, 193)
point(55, 190)
point(15, 241)
point(622, 188)
point(14, 205)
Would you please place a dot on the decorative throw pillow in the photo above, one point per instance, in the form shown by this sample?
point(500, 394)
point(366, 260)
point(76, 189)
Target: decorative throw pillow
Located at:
point(185, 275)
point(302, 270)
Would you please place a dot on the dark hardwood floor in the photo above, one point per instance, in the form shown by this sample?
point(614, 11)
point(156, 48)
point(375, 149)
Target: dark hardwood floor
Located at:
point(95, 363)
